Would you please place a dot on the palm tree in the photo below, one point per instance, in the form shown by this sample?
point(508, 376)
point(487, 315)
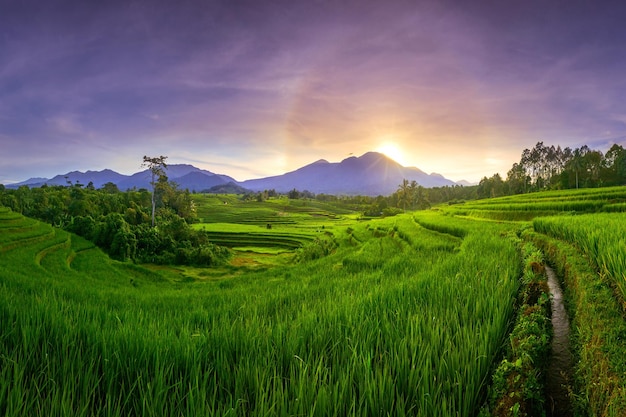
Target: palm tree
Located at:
point(404, 193)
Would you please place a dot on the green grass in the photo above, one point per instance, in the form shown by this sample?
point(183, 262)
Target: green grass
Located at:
point(406, 315)
point(525, 207)
point(84, 335)
point(598, 329)
point(600, 237)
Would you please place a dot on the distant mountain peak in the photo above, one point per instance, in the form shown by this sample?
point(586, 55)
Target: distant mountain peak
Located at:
point(373, 157)
point(372, 173)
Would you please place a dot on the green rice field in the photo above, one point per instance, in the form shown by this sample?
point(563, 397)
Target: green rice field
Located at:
point(319, 313)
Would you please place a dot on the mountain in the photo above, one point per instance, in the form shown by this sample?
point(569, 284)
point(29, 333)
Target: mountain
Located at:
point(370, 174)
point(186, 176)
point(98, 178)
point(230, 188)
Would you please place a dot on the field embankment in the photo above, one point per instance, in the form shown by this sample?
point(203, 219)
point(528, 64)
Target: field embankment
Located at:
point(581, 233)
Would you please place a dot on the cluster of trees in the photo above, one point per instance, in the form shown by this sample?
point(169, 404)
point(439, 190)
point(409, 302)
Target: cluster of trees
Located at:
point(549, 167)
point(136, 225)
point(172, 242)
point(409, 196)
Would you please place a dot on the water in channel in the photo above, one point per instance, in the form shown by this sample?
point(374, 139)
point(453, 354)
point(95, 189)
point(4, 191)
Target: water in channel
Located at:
point(558, 375)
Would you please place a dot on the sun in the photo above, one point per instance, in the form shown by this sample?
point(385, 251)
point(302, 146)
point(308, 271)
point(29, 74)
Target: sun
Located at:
point(391, 150)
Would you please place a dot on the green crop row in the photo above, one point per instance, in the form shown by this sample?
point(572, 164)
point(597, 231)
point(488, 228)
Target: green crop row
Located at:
point(601, 237)
point(524, 207)
point(598, 329)
point(232, 239)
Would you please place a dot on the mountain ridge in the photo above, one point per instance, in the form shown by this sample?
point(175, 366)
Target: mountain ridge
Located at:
point(372, 173)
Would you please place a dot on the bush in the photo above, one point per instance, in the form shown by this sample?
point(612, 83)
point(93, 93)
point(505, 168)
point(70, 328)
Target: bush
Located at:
point(315, 250)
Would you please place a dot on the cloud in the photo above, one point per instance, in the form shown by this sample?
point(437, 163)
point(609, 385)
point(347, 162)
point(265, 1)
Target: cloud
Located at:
point(239, 83)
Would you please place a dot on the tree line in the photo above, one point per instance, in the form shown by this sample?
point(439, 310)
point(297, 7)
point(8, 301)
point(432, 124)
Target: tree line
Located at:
point(408, 196)
point(549, 168)
point(137, 225)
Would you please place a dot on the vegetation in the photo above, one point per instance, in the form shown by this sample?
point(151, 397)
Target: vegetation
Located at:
point(368, 326)
point(526, 207)
point(120, 223)
point(518, 382)
point(548, 168)
point(598, 326)
point(586, 248)
point(156, 166)
point(315, 308)
point(600, 237)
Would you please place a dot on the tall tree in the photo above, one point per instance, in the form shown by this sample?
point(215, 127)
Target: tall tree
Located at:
point(157, 167)
point(404, 193)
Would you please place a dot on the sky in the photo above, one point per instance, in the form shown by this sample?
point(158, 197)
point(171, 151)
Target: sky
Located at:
point(257, 88)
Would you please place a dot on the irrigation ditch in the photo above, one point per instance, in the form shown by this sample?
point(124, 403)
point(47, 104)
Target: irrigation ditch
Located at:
point(558, 375)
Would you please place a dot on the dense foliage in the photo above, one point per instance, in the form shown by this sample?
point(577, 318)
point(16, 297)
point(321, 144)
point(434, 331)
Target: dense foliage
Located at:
point(549, 167)
point(120, 223)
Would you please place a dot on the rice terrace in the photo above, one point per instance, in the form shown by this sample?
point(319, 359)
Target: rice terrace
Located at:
point(332, 217)
point(305, 306)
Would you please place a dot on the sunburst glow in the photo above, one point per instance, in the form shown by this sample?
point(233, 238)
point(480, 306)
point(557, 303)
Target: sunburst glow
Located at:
point(392, 151)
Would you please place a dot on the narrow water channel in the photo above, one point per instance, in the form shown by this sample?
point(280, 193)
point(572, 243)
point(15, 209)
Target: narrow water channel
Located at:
point(558, 403)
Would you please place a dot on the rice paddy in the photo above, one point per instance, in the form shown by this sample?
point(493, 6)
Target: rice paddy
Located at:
point(402, 316)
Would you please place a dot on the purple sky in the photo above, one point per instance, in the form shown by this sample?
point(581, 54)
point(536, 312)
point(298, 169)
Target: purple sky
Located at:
point(257, 88)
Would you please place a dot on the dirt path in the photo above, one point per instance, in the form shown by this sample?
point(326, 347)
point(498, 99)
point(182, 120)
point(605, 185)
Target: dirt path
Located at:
point(559, 372)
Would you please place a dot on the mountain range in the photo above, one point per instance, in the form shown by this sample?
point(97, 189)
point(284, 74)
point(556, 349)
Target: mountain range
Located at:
point(372, 174)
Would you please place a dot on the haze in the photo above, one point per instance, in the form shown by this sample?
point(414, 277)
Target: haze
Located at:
point(251, 89)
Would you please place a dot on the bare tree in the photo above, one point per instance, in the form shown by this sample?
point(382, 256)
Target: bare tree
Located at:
point(157, 167)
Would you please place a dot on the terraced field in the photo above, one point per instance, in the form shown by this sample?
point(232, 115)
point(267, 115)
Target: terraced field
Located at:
point(275, 226)
point(360, 330)
point(525, 207)
point(404, 316)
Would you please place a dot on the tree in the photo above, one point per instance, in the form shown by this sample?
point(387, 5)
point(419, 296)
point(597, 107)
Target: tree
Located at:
point(615, 161)
point(576, 163)
point(293, 194)
point(517, 179)
point(491, 187)
point(157, 168)
point(404, 193)
point(110, 188)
